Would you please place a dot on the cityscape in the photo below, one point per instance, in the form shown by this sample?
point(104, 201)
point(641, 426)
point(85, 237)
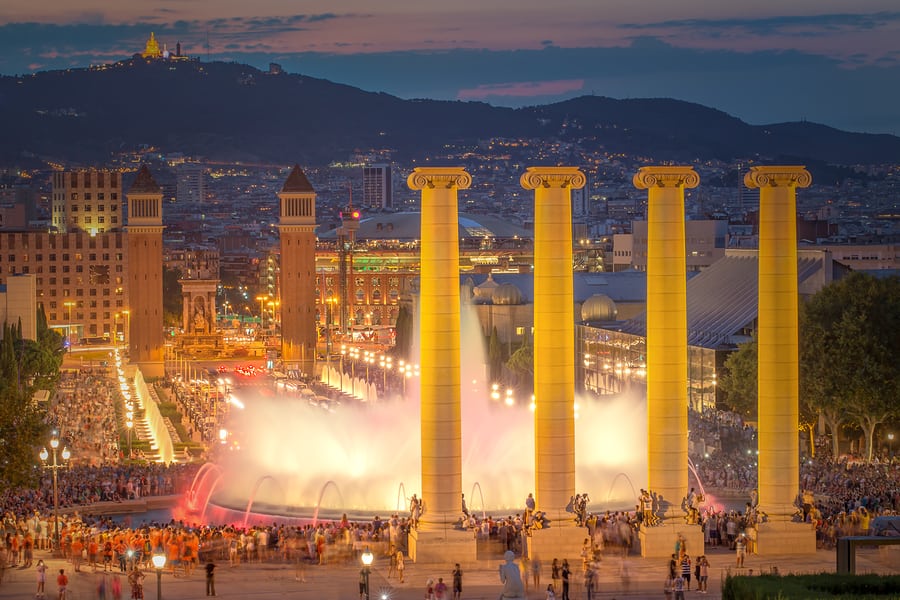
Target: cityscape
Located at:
point(455, 333)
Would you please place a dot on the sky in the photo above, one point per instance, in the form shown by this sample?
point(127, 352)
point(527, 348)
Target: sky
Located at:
point(766, 61)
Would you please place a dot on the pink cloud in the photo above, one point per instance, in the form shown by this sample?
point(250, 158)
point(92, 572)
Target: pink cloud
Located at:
point(522, 89)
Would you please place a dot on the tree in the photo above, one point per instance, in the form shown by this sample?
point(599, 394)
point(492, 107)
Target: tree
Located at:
point(850, 345)
point(404, 333)
point(495, 355)
point(521, 364)
point(172, 302)
point(739, 381)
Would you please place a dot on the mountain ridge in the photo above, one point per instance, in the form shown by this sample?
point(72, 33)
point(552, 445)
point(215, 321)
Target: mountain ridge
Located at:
point(231, 111)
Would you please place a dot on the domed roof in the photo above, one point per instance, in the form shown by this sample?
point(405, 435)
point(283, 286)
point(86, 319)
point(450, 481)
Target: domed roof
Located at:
point(507, 294)
point(484, 292)
point(599, 307)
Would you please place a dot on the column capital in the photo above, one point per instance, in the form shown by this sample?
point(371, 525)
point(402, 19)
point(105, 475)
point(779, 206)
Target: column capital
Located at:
point(778, 176)
point(439, 177)
point(666, 177)
point(550, 177)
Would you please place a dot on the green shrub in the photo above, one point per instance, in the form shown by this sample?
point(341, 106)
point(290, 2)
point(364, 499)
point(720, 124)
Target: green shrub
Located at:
point(810, 587)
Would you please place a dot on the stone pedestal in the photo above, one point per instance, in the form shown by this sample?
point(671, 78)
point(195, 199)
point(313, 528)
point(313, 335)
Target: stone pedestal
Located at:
point(785, 537)
point(442, 547)
point(557, 542)
point(659, 541)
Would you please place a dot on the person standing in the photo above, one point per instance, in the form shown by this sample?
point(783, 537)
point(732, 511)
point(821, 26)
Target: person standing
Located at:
point(400, 565)
point(740, 551)
point(457, 582)
point(555, 575)
point(41, 577)
point(703, 574)
point(440, 589)
point(210, 578)
point(678, 586)
point(565, 579)
point(62, 582)
point(536, 572)
point(686, 571)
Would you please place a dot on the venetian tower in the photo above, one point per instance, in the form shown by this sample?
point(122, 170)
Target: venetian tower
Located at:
point(297, 226)
point(145, 269)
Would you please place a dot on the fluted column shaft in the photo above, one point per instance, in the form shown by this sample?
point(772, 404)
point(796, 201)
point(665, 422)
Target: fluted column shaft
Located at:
point(440, 341)
point(667, 356)
point(554, 339)
point(778, 337)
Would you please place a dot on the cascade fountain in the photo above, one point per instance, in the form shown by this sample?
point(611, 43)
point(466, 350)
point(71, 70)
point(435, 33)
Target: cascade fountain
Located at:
point(303, 462)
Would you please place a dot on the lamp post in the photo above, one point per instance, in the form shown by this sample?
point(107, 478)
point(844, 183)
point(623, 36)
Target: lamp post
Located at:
point(129, 424)
point(159, 561)
point(127, 326)
point(891, 445)
point(262, 310)
point(54, 467)
point(367, 558)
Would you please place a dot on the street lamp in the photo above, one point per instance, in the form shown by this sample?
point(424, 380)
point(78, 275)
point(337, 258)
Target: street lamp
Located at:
point(261, 300)
point(159, 561)
point(54, 467)
point(126, 327)
point(891, 445)
point(367, 558)
point(129, 424)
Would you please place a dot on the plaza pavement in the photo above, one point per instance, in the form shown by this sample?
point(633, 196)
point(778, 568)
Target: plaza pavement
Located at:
point(341, 582)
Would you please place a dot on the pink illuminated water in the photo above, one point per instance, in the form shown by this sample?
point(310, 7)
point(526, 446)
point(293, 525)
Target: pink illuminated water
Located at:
point(367, 451)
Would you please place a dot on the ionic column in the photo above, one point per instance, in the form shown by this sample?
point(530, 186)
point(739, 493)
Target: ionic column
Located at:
point(778, 337)
point(667, 355)
point(440, 342)
point(554, 337)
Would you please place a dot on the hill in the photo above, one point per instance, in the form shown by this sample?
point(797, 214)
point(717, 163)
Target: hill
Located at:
point(228, 111)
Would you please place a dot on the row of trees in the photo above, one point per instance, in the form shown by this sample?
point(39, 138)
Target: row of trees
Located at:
point(25, 367)
point(849, 360)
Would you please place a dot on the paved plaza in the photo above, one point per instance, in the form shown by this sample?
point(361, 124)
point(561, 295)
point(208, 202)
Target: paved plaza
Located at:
point(341, 582)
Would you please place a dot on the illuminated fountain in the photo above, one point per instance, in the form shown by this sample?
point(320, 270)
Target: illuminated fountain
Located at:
point(299, 461)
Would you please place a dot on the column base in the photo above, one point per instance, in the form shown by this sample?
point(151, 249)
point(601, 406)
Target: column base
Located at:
point(659, 541)
point(151, 369)
point(557, 542)
point(444, 547)
point(785, 537)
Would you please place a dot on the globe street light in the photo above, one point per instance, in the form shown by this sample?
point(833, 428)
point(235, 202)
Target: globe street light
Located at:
point(159, 561)
point(891, 444)
point(367, 558)
point(54, 467)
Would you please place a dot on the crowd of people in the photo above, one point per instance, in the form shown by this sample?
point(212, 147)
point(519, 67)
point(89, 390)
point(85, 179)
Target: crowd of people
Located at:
point(838, 496)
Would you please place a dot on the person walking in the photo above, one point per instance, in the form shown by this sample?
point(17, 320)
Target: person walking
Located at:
point(400, 565)
point(210, 578)
point(457, 582)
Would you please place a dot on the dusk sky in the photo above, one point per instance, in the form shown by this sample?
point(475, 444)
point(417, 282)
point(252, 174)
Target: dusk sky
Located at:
point(829, 61)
